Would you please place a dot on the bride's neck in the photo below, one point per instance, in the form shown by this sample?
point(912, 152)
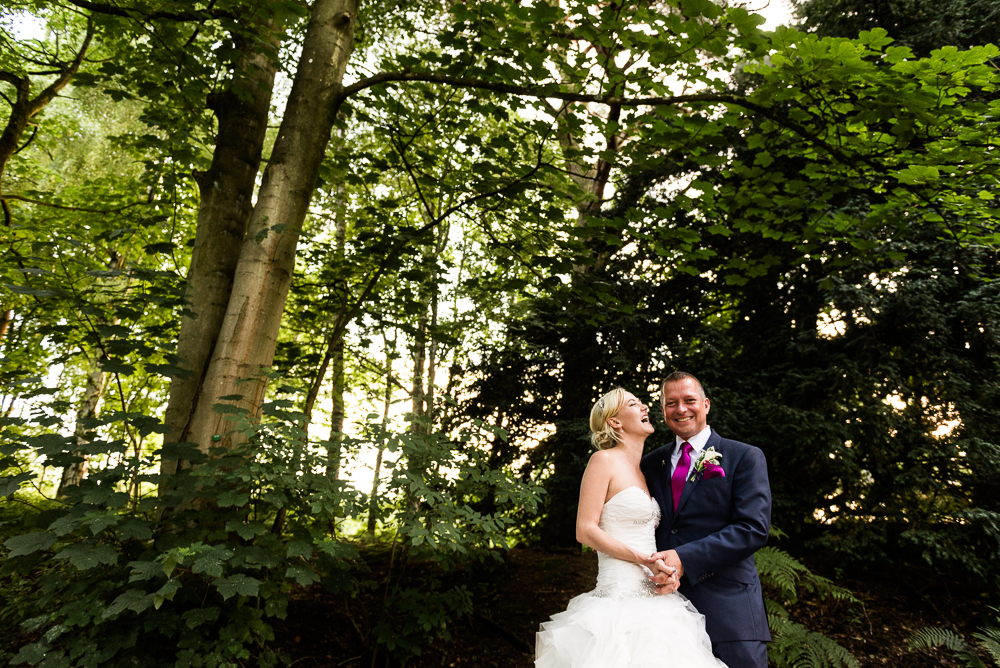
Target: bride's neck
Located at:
point(632, 446)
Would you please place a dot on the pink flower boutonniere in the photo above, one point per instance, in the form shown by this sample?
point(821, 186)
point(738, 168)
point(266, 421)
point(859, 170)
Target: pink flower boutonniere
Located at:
point(707, 465)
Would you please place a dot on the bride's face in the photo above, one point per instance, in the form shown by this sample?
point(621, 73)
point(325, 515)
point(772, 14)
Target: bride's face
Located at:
point(633, 417)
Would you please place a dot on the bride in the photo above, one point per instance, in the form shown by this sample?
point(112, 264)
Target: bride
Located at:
point(623, 622)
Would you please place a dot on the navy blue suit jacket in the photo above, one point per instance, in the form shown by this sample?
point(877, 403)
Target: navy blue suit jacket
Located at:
point(719, 524)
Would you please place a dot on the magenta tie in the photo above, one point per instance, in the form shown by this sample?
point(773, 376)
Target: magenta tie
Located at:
point(680, 475)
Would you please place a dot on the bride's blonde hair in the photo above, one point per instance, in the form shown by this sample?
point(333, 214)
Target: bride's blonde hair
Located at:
point(601, 433)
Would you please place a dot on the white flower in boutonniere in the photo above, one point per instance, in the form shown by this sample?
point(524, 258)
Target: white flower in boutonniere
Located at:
point(708, 464)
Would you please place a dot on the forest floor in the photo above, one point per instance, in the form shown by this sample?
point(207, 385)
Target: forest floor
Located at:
point(324, 630)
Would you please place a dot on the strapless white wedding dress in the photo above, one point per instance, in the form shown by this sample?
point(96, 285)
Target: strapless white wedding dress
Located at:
point(624, 623)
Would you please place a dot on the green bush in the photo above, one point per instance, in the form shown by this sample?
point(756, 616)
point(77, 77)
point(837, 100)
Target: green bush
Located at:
point(114, 574)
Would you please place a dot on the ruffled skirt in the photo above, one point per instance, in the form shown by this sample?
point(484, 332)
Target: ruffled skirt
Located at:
point(647, 632)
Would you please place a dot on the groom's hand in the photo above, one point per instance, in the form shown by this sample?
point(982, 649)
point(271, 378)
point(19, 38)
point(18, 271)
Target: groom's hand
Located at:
point(664, 577)
point(671, 560)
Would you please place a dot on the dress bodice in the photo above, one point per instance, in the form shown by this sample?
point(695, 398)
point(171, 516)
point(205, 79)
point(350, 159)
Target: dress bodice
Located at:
point(631, 517)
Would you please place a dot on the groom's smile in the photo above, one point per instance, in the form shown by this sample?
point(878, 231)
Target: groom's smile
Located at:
point(685, 407)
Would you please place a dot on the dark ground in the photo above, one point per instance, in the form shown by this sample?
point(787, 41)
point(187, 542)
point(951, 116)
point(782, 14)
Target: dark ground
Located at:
point(324, 631)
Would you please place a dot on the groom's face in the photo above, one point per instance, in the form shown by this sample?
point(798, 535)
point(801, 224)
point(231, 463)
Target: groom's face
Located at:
point(685, 408)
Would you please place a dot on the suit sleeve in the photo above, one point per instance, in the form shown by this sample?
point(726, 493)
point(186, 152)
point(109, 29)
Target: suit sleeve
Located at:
point(747, 530)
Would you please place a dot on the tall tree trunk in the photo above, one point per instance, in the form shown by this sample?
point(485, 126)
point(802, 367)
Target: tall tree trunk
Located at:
point(432, 358)
point(417, 395)
point(226, 191)
point(75, 473)
point(4, 323)
point(245, 345)
point(334, 454)
point(383, 441)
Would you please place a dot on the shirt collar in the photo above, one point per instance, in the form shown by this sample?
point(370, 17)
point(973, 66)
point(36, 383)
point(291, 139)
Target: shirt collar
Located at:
point(697, 441)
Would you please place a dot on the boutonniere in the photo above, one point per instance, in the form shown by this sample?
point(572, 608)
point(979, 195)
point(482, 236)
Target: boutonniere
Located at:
point(707, 465)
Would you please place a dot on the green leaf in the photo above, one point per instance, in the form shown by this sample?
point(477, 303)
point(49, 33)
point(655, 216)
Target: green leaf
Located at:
point(918, 174)
point(302, 575)
point(29, 543)
point(10, 485)
point(144, 570)
point(88, 554)
point(299, 548)
point(211, 563)
point(197, 617)
point(166, 592)
point(133, 599)
point(246, 530)
point(237, 584)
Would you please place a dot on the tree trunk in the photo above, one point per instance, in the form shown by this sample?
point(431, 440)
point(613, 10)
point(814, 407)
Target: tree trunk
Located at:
point(245, 345)
point(417, 395)
point(334, 454)
point(4, 323)
point(226, 191)
point(373, 499)
point(75, 473)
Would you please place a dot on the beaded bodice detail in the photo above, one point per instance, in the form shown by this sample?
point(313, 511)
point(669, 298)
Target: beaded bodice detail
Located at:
point(631, 517)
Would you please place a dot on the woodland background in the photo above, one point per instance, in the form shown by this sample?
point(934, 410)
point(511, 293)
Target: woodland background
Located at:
point(304, 307)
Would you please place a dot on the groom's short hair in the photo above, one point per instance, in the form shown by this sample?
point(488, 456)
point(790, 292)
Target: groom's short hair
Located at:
point(678, 376)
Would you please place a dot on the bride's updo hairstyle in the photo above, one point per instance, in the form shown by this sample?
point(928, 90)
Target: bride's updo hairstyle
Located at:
point(601, 433)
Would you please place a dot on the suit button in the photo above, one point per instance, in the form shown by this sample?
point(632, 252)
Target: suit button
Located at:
point(673, 532)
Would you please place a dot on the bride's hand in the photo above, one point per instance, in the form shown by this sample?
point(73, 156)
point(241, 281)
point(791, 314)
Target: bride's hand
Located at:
point(665, 578)
point(670, 558)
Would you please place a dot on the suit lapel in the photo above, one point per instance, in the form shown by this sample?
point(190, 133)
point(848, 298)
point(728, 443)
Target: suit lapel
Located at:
point(713, 442)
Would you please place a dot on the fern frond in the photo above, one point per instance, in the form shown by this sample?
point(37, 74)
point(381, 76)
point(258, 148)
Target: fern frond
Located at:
point(780, 569)
point(989, 639)
point(933, 636)
point(775, 532)
point(936, 637)
point(795, 646)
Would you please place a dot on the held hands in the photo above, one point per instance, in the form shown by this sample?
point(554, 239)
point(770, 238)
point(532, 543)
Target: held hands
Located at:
point(667, 571)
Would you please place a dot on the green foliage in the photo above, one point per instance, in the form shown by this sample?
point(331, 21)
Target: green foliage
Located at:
point(117, 573)
point(793, 645)
point(796, 646)
point(987, 637)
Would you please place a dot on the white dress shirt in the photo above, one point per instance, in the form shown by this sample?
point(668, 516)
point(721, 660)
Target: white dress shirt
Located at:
point(698, 442)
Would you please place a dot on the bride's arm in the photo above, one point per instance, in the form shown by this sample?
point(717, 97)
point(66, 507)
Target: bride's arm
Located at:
point(593, 493)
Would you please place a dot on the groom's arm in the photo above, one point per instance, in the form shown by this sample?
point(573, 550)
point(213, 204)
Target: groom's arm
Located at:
point(747, 530)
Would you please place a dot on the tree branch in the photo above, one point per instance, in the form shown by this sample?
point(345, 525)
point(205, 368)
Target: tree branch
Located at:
point(5, 198)
point(552, 92)
point(114, 10)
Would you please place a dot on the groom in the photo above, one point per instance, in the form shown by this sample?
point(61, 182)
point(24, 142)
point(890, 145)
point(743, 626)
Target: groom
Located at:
point(716, 514)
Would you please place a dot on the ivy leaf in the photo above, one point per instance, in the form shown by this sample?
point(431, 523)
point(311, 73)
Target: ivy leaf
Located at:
point(29, 542)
